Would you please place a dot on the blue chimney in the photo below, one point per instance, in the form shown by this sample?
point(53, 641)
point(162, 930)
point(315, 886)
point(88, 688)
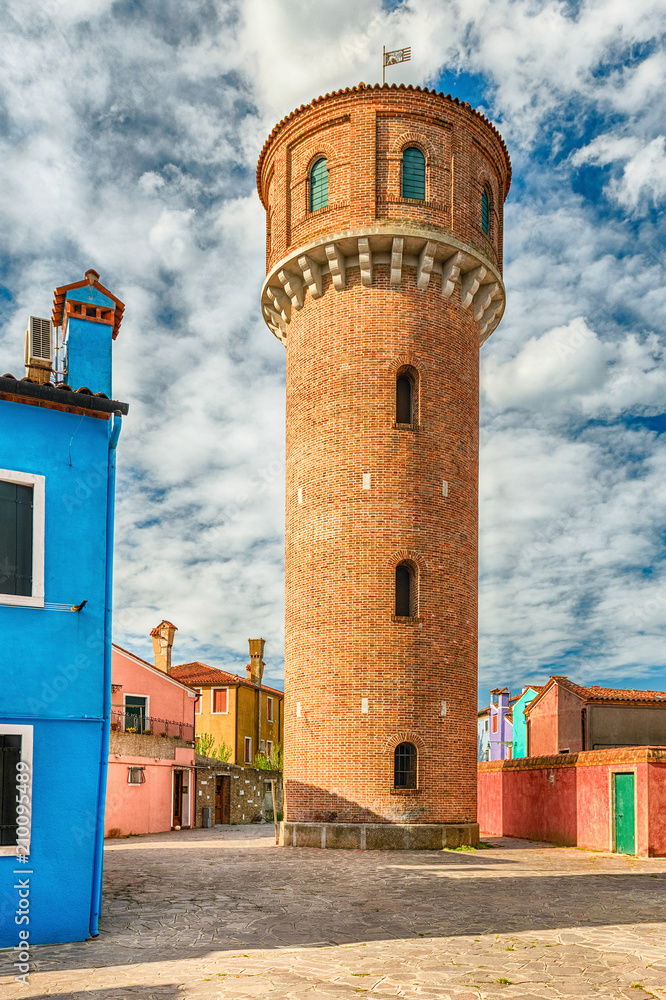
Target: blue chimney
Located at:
point(90, 317)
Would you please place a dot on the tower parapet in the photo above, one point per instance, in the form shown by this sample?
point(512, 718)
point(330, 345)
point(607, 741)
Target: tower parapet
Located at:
point(384, 275)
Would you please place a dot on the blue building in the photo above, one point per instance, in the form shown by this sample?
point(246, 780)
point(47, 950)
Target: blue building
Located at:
point(519, 721)
point(57, 481)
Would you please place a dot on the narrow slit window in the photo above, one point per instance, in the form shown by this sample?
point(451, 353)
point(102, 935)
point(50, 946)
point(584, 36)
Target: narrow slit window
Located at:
point(485, 211)
point(319, 184)
point(404, 583)
point(404, 408)
point(413, 174)
point(404, 766)
point(248, 750)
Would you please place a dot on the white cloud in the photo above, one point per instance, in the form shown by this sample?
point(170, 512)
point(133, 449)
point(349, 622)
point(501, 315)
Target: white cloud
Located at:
point(134, 152)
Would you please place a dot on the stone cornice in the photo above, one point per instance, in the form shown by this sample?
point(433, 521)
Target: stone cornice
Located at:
point(423, 252)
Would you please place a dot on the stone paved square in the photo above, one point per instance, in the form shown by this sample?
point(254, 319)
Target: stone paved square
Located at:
point(224, 913)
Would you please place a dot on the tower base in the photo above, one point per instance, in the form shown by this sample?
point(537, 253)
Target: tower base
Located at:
point(380, 836)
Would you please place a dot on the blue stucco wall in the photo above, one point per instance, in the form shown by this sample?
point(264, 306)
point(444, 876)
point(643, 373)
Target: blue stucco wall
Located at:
point(52, 666)
point(64, 805)
point(89, 345)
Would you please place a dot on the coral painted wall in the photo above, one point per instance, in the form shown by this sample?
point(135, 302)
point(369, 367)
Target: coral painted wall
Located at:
point(568, 799)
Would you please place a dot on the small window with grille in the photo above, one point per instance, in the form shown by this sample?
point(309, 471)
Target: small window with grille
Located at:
point(404, 766)
point(413, 174)
point(319, 184)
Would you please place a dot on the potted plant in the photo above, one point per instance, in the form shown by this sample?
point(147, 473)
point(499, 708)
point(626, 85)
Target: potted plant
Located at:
point(114, 727)
point(164, 733)
point(147, 732)
point(131, 729)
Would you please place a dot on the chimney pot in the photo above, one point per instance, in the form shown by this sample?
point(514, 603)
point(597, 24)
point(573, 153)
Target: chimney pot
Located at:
point(162, 636)
point(255, 668)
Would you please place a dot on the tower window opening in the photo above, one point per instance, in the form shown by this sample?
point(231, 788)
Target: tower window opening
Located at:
point(413, 174)
point(405, 591)
point(485, 211)
point(404, 403)
point(404, 766)
point(319, 184)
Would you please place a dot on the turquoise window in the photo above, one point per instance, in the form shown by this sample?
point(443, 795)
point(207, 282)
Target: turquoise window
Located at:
point(319, 185)
point(413, 173)
point(485, 211)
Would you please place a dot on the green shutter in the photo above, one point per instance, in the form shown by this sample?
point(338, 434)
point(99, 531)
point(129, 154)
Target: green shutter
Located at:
point(485, 211)
point(15, 539)
point(413, 173)
point(319, 185)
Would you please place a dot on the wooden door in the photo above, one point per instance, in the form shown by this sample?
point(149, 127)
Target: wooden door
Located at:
point(223, 799)
point(177, 798)
point(625, 816)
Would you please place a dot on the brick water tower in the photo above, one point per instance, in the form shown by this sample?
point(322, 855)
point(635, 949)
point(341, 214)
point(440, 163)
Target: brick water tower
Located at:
point(384, 259)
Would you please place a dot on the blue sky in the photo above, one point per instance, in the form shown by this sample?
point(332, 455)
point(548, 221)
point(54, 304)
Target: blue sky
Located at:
point(130, 133)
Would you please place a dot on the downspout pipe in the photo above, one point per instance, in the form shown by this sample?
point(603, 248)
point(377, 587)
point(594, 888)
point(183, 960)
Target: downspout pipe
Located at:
point(98, 860)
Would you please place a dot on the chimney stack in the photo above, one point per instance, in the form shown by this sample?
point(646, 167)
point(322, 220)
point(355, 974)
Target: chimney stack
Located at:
point(255, 668)
point(162, 637)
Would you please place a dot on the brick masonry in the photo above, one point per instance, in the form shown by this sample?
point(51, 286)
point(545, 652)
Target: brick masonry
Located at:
point(343, 541)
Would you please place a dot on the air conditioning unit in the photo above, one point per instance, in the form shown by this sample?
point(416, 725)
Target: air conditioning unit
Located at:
point(39, 342)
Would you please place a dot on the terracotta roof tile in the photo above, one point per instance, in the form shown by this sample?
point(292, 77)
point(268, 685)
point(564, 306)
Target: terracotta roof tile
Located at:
point(201, 673)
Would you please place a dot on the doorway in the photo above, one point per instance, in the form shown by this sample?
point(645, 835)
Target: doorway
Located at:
point(177, 798)
point(625, 813)
point(223, 799)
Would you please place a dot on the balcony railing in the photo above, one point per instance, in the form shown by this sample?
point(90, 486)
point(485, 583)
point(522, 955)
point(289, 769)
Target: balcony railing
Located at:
point(150, 725)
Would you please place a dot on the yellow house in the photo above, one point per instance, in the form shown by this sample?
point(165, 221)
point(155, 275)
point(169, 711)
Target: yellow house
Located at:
point(239, 711)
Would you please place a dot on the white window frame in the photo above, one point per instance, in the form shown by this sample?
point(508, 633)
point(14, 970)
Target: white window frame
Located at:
point(26, 734)
point(135, 694)
point(270, 717)
point(198, 705)
point(38, 484)
point(212, 700)
point(247, 741)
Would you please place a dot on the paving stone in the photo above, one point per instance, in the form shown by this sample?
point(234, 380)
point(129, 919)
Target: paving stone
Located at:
point(224, 914)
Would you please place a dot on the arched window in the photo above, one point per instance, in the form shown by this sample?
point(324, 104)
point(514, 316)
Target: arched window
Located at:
point(485, 211)
point(404, 399)
point(319, 184)
point(404, 766)
point(405, 591)
point(413, 173)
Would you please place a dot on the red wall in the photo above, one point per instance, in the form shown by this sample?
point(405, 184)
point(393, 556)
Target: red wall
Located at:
point(567, 799)
point(657, 808)
point(541, 804)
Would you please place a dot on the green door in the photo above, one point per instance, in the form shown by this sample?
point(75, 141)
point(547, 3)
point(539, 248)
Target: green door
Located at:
point(625, 839)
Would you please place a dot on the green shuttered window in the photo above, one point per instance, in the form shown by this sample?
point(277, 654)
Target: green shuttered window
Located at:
point(16, 506)
point(485, 211)
point(413, 173)
point(319, 185)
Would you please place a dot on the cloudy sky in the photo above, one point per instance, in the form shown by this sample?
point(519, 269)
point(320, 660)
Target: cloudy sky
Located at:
point(129, 137)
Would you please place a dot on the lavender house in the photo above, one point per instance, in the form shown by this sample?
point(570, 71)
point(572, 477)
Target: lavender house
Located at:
point(501, 724)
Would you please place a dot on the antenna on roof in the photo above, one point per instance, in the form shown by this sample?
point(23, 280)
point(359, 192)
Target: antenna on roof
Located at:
point(392, 58)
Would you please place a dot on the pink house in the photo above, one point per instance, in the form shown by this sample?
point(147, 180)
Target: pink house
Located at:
point(151, 777)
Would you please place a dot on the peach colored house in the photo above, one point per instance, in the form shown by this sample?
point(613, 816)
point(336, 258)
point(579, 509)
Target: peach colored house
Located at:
point(151, 776)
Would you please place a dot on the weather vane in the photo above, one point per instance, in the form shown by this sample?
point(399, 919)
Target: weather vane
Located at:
point(391, 58)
